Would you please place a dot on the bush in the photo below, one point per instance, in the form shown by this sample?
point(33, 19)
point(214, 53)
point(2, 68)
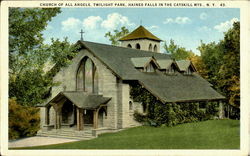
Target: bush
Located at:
point(139, 117)
point(23, 120)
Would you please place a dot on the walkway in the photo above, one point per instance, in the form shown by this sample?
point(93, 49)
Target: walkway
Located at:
point(38, 141)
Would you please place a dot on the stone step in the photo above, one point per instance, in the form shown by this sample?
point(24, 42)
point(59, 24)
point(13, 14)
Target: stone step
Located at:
point(69, 137)
point(82, 132)
point(69, 131)
point(66, 134)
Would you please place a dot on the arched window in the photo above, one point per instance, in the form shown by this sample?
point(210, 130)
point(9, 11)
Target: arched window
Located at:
point(130, 105)
point(155, 48)
point(150, 47)
point(129, 46)
point(137, 46)
point(87, 76)
point(79, 78)
point(96, 77)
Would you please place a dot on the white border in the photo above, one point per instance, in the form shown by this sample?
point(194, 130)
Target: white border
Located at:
point(245, 87)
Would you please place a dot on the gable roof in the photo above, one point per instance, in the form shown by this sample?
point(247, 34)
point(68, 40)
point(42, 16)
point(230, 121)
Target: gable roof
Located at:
point(166, 63)
point(139, 62)
point(118, 59)
point(80, 99)
point(174, 88)
point(185, 64)
point(142, 62)
point(140, 33)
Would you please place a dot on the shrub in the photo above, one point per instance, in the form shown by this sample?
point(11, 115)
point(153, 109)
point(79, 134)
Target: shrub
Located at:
point(23, 120)
point(139, 117)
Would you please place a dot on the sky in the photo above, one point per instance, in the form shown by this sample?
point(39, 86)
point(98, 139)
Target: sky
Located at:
point(186, 26)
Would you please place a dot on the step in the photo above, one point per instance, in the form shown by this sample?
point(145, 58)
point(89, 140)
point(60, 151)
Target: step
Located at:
point(64, 134)
point(70, 137)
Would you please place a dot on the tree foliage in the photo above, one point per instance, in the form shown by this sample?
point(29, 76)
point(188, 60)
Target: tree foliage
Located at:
point(29, 56)
point(177, 52)
point(25, 35)
point(199, 65)
point(32, 66)
point(116, 35)
point(222, 63)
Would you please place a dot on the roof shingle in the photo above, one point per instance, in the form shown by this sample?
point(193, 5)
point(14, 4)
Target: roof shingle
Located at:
point(169, 88)
point(140, 33)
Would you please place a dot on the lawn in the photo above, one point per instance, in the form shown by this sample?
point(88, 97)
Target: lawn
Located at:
point(212, 134)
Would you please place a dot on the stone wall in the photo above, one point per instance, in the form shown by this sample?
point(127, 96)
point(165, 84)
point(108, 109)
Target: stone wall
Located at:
point(136, 106)
point(42, 116)
point(123, 109)
point(107, 86)
point(144, 44)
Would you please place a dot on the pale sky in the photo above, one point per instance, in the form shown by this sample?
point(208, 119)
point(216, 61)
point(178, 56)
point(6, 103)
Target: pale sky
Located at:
point(187, 27)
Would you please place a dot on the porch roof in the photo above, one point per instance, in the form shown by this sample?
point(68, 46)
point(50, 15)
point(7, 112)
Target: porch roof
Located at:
point(80, 99)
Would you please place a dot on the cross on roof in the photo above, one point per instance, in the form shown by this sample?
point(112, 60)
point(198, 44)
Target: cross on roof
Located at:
point(82, 34)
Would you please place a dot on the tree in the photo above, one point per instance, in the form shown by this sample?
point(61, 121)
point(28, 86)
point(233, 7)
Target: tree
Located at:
point(199, 65)
point(230, 69)
point(211, 55)
point(29, 80)
point(26, 53)
point(222, 62)
point(177, 52)
point(29, 83)
point(116, 35)
point(32, 85)
point(25, 35)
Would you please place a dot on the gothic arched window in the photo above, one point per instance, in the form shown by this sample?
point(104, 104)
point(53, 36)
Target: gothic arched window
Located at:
point(150, 47)
point(138, 46)
point(79, 77)
point(129, 46)
point(155, 48)
point(87, 76)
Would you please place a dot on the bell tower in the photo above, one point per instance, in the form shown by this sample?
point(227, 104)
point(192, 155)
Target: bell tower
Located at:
point(141, 39)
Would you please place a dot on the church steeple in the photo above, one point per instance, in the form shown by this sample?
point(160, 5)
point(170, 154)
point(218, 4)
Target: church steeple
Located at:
point(141, 39)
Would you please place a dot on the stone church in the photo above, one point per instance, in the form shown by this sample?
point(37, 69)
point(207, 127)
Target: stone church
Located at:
point(94, 90)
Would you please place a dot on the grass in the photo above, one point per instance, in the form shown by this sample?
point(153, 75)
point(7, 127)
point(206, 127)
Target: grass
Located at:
point(212, 134)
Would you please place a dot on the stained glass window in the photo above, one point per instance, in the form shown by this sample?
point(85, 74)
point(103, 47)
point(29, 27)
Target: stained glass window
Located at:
point(88, 86)
point(87, 77)
point(96, 81)
point(80, 78)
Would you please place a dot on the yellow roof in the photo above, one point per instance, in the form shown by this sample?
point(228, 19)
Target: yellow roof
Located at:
point(140, 33)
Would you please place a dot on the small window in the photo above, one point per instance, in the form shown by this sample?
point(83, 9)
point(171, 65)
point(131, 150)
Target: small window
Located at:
point(155, 48)
point(129, 46)
point(150, 47)
point(130, 105)
point(138, 46)
point(144, 107)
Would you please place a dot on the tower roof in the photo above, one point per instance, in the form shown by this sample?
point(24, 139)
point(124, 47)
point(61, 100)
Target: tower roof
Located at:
point(140, 33)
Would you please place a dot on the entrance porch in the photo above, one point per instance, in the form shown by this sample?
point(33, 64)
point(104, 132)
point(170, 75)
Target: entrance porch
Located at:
point(75, 110)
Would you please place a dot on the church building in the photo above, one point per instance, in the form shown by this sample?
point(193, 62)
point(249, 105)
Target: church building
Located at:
point(94, 91)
